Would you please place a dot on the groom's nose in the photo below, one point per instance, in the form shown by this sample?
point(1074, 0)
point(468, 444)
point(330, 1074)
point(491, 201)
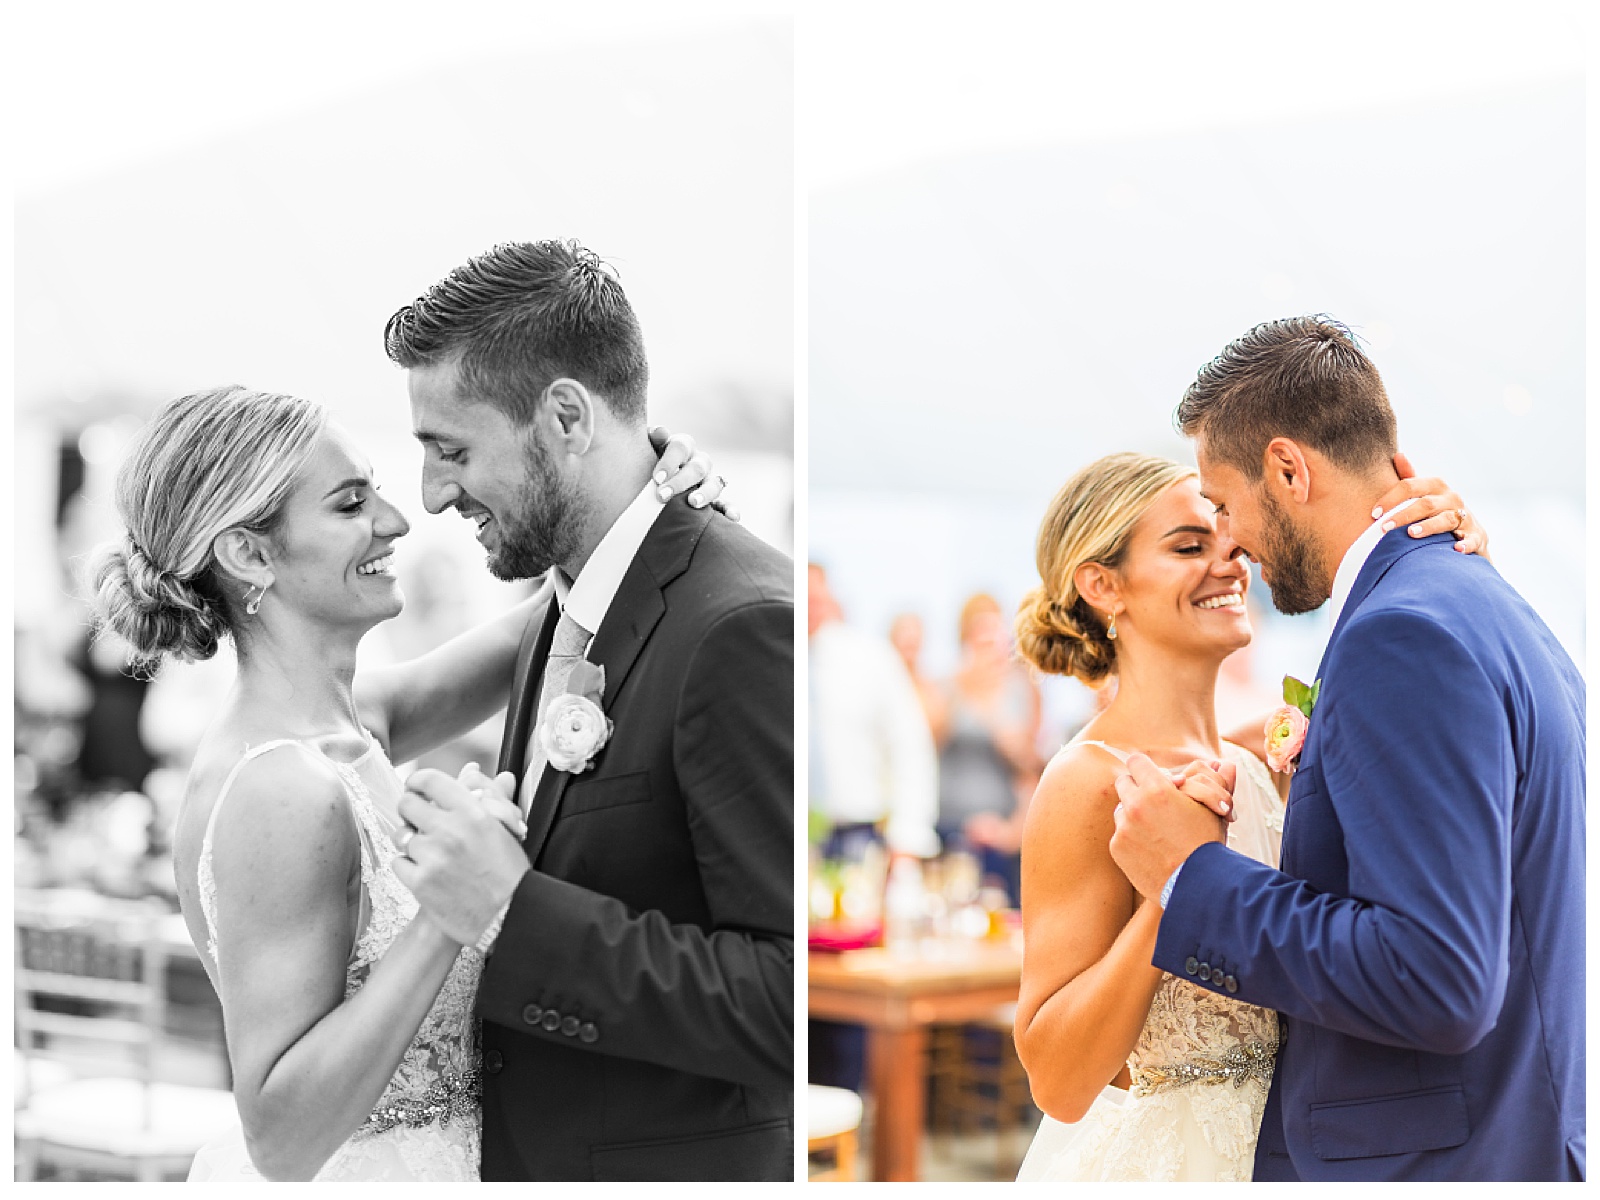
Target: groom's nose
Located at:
point(439, 491)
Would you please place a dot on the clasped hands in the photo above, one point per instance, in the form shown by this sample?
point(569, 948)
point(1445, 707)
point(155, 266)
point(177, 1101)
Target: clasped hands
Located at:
point(460, 849)
point(1164, 816)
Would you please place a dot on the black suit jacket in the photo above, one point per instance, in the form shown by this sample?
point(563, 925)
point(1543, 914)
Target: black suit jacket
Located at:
point(638, 1004)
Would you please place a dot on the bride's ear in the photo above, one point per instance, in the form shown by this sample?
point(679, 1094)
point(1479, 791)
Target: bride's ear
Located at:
point(242, 556)
point(1098, 586)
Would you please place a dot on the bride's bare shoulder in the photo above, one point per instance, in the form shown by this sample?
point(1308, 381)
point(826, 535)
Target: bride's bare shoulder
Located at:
point(1076, 791)
point(273, 797)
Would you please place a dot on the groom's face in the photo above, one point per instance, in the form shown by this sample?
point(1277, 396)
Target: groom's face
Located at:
point(501, 477)
point(1262, 530)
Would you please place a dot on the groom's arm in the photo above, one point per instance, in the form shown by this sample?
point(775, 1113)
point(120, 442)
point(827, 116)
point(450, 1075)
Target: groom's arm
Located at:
point(717, 1002)
point(1416, 762)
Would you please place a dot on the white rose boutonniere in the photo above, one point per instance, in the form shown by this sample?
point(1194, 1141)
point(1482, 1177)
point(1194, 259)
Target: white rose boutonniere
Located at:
point(574, 728)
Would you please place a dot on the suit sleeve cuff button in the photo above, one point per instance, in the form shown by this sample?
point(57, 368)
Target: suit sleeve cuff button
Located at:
point(532, 1014)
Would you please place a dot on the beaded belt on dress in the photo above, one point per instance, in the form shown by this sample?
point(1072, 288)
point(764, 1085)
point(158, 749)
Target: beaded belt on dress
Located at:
point(1250, 1060)
point(450, 1096)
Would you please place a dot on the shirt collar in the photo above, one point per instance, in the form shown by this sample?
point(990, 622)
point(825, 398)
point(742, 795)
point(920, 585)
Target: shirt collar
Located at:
point(587, 597)
point(1344, 580)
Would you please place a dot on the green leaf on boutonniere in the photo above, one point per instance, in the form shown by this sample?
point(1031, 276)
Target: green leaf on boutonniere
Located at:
point(1298, 694)
point(587, 679)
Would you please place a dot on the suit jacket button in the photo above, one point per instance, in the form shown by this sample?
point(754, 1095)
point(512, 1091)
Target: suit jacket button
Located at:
point(493, 1060)
point(552, 1020)
point(1191, 964)
point(588, 1033)
point(1205, 972)
point(532, 1013)
point(1231, 984)
point(569, 1026)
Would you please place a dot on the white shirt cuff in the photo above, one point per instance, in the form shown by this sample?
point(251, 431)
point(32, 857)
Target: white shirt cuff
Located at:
point(1166, 888)
point(486, 939)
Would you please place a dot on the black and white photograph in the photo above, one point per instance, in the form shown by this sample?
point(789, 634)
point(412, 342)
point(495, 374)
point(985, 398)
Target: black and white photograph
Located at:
point(404, 593)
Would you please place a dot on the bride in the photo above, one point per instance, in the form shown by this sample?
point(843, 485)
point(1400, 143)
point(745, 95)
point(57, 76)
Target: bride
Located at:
point(348, 1013)
point(1141, 1075)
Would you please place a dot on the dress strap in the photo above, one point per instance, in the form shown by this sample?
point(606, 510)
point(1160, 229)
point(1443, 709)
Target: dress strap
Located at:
point(1121, 756)
point(253, 752)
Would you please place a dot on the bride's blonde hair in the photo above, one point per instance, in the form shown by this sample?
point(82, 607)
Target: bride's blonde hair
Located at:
point(1089, 521)
point(206, 463)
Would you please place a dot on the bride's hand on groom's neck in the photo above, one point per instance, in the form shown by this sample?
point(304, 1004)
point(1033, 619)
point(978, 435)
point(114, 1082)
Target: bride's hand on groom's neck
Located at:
point(1435, 508)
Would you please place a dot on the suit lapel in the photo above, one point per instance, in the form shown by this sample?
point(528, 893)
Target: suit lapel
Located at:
point(531, 656)
point(632, 616)
point(1391, 548)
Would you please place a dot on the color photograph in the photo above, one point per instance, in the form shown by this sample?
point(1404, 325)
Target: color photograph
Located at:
point(1128, 334)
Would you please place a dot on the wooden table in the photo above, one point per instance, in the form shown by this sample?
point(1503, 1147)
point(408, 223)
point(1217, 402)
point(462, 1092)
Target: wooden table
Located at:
point(897, 994)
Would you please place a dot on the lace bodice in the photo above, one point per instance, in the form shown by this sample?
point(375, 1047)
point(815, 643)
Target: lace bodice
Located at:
point(1203, 1062)
point(427, 1123)
point(1192, 1028)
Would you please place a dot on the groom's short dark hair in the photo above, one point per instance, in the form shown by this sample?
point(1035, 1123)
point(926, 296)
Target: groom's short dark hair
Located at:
point(522, 316)
point(1302, 378)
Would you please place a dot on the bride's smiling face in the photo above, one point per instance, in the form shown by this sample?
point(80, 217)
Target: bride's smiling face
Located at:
point(1181, 585)
point(335, 546)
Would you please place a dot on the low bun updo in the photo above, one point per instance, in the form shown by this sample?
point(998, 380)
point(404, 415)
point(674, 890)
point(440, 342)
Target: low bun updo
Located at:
point(206, 463)
point(1089, 521)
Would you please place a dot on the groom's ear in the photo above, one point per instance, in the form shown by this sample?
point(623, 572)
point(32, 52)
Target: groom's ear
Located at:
point(1287, 471)
point(570, 411)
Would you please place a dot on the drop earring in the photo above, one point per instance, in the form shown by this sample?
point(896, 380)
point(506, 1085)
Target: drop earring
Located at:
point(1111, 629)
point(254, 606)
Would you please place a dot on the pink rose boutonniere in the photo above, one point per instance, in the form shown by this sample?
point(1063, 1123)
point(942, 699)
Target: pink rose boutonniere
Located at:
point(1286, 727)
point(574, 728)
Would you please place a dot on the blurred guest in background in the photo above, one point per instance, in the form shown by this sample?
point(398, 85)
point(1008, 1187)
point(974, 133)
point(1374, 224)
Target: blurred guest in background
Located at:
point(987, 734)
point(872, 776)
point(905, 635)
point(873, 769)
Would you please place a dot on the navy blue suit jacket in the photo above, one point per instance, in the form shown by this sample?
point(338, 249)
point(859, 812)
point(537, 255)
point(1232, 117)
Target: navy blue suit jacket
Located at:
point(1424, 939)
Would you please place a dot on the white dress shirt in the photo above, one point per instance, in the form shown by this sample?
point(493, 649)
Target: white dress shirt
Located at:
point(588, 597)
point(1344, 579)
point(871, 742)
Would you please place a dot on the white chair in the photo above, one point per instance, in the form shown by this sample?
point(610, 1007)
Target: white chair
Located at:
point(90, 990)
point(833, 1115)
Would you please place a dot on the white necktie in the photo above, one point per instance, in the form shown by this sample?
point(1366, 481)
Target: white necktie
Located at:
point(566, 650)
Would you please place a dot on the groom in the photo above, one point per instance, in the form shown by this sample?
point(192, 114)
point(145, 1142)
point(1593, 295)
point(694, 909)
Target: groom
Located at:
point(637, 995)
point(1424, 939)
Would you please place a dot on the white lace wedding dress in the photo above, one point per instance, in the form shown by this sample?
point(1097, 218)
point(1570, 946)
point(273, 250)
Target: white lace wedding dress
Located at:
point(1201, 1067)
point(428, 1122)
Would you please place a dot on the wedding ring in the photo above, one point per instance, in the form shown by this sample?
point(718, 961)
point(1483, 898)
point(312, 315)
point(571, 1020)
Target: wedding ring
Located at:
point(1461, 517)
point(404, 844)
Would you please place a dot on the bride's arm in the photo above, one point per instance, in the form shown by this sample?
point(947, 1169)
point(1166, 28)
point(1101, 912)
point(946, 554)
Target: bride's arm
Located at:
point(1087, 982)
point(308, 1065)
point(424, 703)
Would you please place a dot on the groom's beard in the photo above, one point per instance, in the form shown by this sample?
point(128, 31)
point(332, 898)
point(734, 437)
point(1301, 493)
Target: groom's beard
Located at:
point(546, 527)
point(1298, 583)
